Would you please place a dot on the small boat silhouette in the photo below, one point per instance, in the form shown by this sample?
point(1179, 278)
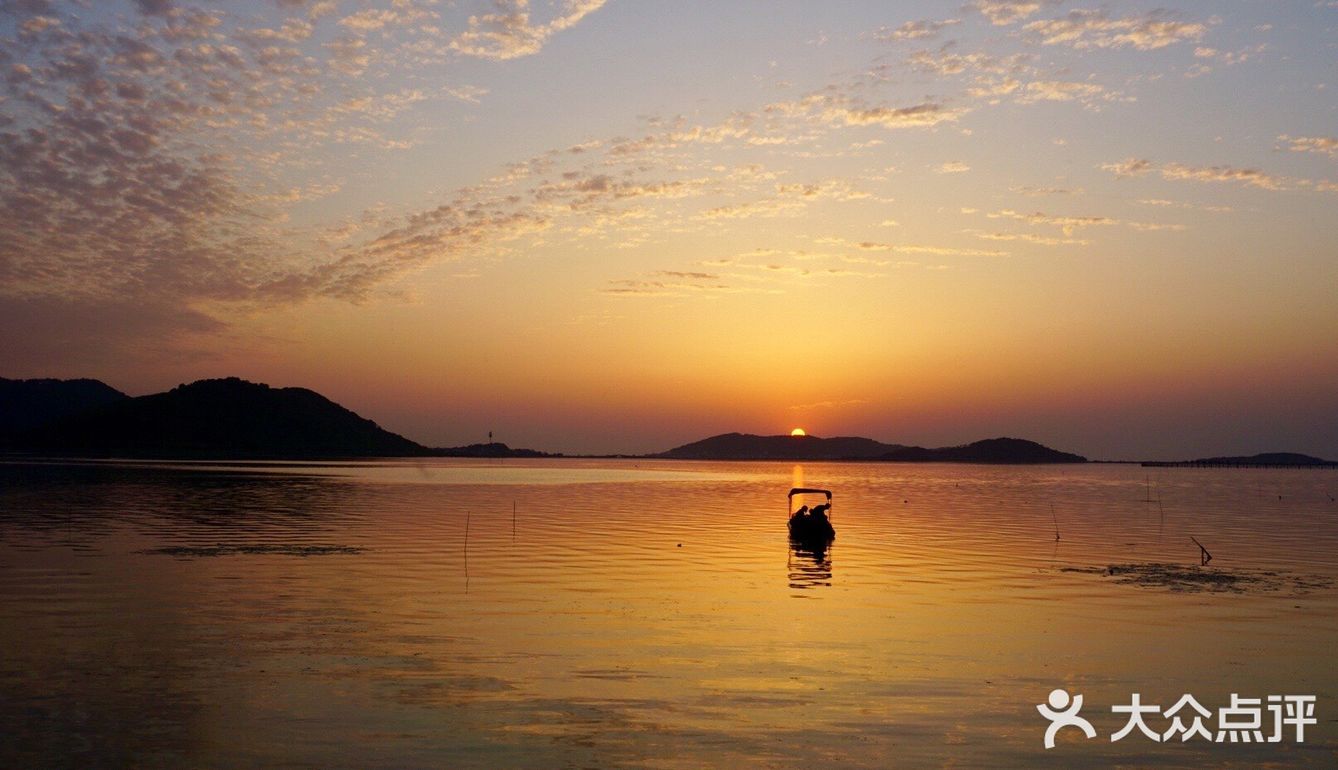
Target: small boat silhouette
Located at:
point(810, 526)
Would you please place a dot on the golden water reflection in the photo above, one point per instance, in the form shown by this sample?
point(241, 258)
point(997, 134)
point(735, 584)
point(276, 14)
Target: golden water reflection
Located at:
point(624, 623)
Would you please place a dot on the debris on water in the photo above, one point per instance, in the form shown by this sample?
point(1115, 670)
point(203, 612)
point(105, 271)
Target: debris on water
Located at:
point(1191, 579)
point(235, 550)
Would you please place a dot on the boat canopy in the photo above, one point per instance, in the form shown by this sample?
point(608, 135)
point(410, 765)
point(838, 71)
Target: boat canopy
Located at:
point(807, 491)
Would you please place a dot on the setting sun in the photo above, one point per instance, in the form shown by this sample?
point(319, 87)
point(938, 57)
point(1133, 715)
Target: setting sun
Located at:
point(798, 432)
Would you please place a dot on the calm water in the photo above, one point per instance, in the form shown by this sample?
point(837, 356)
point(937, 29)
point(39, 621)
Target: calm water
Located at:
point(646, 614)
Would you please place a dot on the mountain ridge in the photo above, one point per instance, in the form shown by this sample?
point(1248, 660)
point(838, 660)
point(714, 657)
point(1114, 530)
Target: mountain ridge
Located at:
point(747, 446)
point(227, 417)
point(26, 405)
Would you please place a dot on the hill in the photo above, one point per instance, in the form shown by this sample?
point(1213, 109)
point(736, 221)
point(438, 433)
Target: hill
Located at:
point(1263, 460)
point(994, 450)
point(746, 446)
point(26, 405)
point(490, 450)
point(226, 418)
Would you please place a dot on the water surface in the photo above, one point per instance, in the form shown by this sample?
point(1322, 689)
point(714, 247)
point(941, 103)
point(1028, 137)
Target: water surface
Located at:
point(566, 613)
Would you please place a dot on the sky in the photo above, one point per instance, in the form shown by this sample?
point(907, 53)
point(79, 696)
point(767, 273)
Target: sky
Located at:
point(624, 225)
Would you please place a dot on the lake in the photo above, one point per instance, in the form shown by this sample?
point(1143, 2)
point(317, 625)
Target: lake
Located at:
point(652, 614)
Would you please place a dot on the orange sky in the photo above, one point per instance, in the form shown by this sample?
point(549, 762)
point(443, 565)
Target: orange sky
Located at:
point(598, 226)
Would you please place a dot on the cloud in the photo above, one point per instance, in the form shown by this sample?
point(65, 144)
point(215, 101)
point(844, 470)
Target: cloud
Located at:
point(878, 246)
point(952, 167)
point(151, 162)
point(829, 404)
point(1164, 203)
point(154, 7)
point(1038, 191)
point(1086, 29)
point(1069, 224)
point(923, 115)
point(788, 198)
point(914, 30)
point(1250, 176)
point(1182, 172)
point(1128, 167)
point(1043, 240)
point(1326, 145)
point(1061, 91)
point(510, 33)
point(680, 284)
point(947, 62)
point(744, 276)
point(45, 333)
point(1066, 223)
point(1002, 13)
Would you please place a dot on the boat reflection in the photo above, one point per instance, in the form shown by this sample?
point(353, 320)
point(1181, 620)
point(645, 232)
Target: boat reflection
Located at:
point(810, 565)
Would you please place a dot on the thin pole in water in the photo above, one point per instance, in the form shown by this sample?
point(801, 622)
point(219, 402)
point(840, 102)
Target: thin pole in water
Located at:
point(1056, 518)
point(513, 521)
point(1204, 556)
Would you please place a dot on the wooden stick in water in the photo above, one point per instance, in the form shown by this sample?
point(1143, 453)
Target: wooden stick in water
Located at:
point(1056, 518)
point(1204, 556)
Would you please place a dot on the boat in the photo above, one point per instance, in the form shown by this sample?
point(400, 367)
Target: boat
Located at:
point(810, 526)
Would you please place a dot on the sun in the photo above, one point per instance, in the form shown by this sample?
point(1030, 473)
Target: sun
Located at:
point(798, 432)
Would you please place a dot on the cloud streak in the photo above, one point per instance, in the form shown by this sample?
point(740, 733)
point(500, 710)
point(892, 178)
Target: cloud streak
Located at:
point(1252, 177)
point(1088, 29)
point(511, 33)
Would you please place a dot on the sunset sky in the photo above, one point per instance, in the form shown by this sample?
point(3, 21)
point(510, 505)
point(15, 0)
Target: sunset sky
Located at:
point(622, 225)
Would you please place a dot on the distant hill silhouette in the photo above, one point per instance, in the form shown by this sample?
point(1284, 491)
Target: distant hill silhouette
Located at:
point(493, 449)
point(1265, 459)
point(746, 446)
point(26, 405)
point(993, 450)
point(226, 418)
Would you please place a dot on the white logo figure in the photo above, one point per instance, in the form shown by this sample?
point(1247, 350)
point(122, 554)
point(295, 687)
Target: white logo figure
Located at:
point(1062, 713)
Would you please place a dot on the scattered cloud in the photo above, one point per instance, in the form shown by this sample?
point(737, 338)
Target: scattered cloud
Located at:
point(511, 33)
point(843, 110)
point(1326, 145)
point(1249, 176)
point(1039, 191)
point(162, 157)
point(1164, 203)
point(672, 283)
point(915, 30)
point(1060, 91)
point(878, 246)
point(829, 404)
point(1128, 167)
point(1043, 240)
point(1002, 13)
point(1087, 29)
point(1068, 224)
